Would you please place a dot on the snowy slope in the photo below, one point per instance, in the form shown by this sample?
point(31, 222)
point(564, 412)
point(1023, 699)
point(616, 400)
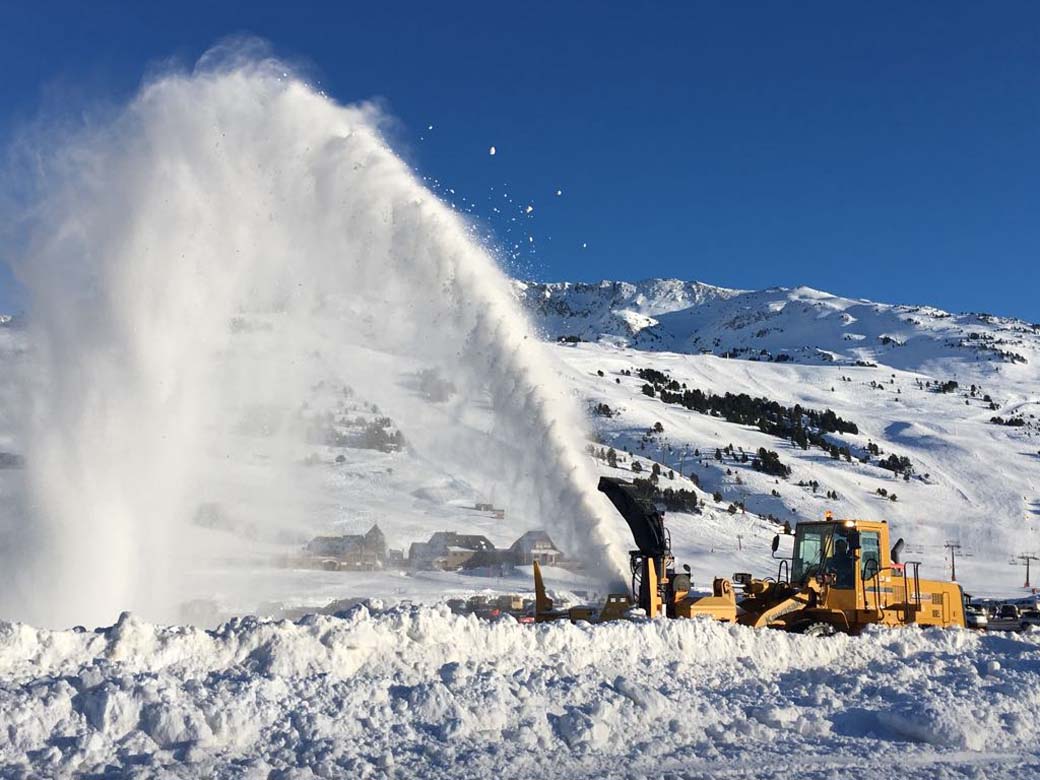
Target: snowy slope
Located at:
point(974, 483)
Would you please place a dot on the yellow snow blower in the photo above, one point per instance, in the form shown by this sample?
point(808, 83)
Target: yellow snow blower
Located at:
point(842, 576)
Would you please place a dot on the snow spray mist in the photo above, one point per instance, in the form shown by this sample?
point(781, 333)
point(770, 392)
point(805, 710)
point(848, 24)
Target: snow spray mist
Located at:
point(235, 189)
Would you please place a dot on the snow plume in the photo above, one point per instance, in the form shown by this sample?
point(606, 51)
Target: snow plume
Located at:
point(201, 255)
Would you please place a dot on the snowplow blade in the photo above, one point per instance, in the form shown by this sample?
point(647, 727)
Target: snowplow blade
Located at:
point(795, 603)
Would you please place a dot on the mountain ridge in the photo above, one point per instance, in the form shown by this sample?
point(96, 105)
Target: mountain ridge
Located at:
point(777, 324)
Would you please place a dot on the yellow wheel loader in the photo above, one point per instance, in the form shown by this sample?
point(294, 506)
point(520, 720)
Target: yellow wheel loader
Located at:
point(842, 576)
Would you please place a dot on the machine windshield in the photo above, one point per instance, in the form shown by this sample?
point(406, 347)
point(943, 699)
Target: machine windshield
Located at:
point(823, 549)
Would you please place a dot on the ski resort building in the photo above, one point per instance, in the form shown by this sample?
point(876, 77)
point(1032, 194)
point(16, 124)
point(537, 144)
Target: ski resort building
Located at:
point(535, 546)
point(352, 551)
point(447, 550)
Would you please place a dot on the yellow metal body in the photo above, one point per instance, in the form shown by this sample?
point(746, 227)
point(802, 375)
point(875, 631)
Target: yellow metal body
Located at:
point(844, 590)
point(616, 606)
point(721, 604)
point(850, 589)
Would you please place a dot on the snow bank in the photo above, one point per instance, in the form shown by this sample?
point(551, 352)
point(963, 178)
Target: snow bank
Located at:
point(420, 692)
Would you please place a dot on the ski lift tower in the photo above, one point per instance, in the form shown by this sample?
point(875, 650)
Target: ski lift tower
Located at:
point(1026, 558)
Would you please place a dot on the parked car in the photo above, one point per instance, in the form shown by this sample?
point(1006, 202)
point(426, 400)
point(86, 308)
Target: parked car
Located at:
point(1008, 617)
point(975, 617)
point(1029, 617)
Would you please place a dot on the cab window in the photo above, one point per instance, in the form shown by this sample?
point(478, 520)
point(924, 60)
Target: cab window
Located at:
point(842, 561)
point(870, 553)
point(809, 544)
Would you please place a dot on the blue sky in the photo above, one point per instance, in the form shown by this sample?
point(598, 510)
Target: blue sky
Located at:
point(883, 150)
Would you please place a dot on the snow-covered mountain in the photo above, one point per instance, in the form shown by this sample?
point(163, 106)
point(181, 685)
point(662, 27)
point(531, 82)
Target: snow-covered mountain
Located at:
point(933, 390)
point(956, 395)
point(918, 434)
point(604, 309)
point(800, 324)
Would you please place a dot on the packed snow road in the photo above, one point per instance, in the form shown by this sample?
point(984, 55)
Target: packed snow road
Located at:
point(420, 692)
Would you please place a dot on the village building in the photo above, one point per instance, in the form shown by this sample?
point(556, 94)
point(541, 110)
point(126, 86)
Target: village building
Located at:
point(535, 546)
point(350, 551)
point(447, 551)
point(444, 551)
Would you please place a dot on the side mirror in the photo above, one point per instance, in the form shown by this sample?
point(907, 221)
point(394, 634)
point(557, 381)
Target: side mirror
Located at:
point(853, 540)
point(776, 542)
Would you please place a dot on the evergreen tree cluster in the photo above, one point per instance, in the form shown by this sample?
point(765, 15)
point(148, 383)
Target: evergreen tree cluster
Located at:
point(837, 453)
point(768, 462)
point(1015, 422)
point(379, 435)
point(607, 455)
point(900, 464)
point(800, 425)
point(673, 500)
point(885, 494)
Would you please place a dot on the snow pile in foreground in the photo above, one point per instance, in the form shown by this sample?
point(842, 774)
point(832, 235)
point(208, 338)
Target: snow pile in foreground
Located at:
point(420, 692)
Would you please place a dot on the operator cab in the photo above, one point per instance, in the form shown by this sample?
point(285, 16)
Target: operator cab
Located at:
point(828, 550)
